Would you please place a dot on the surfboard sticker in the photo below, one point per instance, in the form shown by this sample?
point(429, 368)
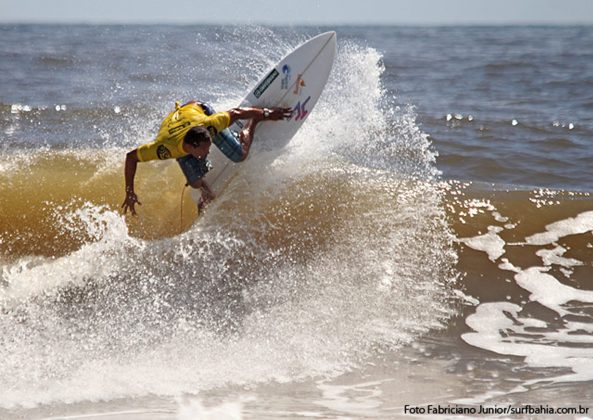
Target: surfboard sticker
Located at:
point(266, 83)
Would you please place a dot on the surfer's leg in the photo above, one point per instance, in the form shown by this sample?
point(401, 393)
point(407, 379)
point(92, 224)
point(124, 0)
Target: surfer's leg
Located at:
point(246, 136)
point(193, 169)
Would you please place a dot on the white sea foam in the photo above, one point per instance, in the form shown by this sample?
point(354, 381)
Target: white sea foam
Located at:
point(571, 226)
point(357, 400)
point(490, 243)
point(548, 291)
point(555, 257)
point(502, 327)
point(96, 260)
point(194, 408)
point(490, 319)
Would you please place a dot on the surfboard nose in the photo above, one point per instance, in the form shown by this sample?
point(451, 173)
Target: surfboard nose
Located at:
point(323, 38)
point(328, 35)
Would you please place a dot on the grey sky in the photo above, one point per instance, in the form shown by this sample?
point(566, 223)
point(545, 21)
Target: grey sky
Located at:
point(313, 12)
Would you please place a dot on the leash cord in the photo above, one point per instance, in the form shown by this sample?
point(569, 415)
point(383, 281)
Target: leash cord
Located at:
point(181, 210)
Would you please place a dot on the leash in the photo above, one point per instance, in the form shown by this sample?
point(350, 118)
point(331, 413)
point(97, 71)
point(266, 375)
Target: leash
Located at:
point(181, 209)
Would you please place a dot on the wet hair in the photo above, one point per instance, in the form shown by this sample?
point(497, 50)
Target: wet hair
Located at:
point(196, 136)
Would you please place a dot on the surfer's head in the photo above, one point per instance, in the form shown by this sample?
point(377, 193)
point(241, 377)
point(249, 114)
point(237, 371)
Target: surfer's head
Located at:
point(197, 142)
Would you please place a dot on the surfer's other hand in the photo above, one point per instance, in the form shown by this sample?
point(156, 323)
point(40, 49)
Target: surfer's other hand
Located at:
point(129, 202)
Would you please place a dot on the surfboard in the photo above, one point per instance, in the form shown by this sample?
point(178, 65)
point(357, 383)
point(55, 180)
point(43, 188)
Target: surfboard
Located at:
point(295, 82)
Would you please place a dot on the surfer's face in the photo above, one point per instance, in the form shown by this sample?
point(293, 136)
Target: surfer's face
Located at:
point(201, 151)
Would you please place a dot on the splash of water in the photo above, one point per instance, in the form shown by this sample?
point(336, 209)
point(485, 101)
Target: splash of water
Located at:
point(312, 262)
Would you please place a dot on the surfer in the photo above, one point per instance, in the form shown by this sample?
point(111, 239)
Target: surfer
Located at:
point(187, 134)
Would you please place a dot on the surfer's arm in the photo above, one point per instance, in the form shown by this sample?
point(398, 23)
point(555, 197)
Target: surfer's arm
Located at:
point(247, 113)
point(130, 173)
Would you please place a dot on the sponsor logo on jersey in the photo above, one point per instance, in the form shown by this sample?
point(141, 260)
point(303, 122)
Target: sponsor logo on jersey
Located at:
point(212, 130)
point(162, 152)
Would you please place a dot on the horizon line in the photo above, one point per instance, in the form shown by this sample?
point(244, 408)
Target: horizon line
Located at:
point(300, 24)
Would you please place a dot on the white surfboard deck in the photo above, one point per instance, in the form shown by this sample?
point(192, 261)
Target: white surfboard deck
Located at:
point(296, 82)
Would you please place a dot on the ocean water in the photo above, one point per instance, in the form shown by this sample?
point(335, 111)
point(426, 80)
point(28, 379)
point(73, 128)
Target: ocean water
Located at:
point(424, 240)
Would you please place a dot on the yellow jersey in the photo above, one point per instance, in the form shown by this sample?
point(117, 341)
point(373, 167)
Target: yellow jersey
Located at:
point(169, 141)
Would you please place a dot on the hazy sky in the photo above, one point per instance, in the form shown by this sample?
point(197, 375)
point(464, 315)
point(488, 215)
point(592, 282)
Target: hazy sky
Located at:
point(313, 12)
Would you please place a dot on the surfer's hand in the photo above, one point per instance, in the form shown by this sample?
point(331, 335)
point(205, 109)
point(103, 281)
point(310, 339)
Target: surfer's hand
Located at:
point(205, 199)
point(276, 114)
point(207, 195)
point(202, 203)
point(129, 202)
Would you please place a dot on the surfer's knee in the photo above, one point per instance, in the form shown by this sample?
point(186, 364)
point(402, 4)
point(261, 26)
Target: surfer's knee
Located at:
point(197, 184)
point(245, 146)
point(193, 169)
